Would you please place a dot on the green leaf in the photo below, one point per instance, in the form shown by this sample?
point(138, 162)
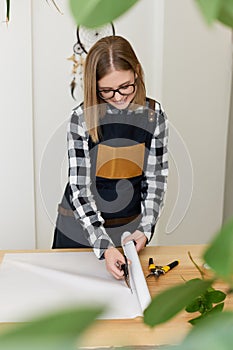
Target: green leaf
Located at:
point(207, 305)
point(194, 305)
point(215, 296)
point(195, 320)
point(202, 309)
point(209, 8)
point(226, 13)
point(167, 304)
point(217, 308)
point(219, 253)
point(193, 281)
point(96, 13)
point(57, 331)
point(213, 333)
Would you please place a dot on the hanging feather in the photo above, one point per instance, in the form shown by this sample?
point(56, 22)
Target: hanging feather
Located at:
point(8, 3)
point(73, 59)
point(72, 87)
point(74, 72)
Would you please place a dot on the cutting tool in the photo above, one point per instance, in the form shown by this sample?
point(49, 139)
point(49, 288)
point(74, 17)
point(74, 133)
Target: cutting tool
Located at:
point(157, 271)
point(125, 269)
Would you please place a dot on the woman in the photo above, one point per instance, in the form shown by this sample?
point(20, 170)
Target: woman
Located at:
point(117, 150)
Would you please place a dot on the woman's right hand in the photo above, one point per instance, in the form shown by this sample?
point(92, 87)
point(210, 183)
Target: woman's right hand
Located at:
point(114, 259)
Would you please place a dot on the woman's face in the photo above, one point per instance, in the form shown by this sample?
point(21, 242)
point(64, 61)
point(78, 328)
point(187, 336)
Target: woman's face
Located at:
point(124, 82)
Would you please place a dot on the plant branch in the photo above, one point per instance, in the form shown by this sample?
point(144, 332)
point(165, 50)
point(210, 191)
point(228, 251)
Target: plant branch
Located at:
point(54, 3)
point(197, 267)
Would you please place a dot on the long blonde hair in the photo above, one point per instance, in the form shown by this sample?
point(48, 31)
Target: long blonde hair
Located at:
point(111, 52)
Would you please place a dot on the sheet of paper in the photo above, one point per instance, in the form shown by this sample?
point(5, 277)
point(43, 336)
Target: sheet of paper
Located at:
point(36, 283)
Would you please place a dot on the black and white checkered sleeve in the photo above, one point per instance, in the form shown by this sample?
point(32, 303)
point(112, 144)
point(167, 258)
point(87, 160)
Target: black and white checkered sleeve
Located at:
point(156, 172)
point(80, 181)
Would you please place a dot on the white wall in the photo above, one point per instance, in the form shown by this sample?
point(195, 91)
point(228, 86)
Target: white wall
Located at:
point(52, 100)
point(53, 38)
point(143, 27)
point(17, 227)
point(187, 67)
point(196, 92)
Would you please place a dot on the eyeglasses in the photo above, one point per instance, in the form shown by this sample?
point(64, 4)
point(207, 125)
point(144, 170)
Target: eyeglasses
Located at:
point(124, 91)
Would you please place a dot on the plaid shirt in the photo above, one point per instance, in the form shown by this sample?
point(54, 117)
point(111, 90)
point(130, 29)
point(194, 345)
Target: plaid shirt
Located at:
point(153, 185)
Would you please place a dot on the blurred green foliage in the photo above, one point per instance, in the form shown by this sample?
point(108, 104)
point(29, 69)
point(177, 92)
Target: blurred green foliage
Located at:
point(60, 330)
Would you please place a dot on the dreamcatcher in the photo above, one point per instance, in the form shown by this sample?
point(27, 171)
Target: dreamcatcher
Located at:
point(86, 38)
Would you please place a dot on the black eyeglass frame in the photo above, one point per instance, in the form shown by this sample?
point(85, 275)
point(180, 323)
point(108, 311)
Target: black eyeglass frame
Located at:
point(118, 90)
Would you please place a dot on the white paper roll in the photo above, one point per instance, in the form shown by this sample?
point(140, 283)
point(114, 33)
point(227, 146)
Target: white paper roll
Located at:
point(137, 279)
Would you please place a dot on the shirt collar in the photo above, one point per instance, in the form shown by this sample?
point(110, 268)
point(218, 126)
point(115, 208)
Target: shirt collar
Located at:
point(113, 110)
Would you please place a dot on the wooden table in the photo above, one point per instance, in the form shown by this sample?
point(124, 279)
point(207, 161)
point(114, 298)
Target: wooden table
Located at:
point(133, 332)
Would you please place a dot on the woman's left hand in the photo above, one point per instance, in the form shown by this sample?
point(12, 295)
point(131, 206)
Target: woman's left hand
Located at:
point(139, 238)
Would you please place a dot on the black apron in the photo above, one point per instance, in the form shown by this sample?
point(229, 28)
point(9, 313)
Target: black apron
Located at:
point(118, 161)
